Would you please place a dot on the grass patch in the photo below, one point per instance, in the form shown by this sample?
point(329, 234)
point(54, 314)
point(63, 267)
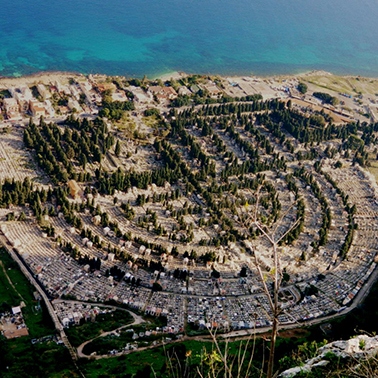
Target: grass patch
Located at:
point(103, 345)
point(35, 314)
point(19, 359)
point(126, 125)
point(134, 362)
point(194, 354)
point(151, 121)
point(104, 323)
point(333, 83)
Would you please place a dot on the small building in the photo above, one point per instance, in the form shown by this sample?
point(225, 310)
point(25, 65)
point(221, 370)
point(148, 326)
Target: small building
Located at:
point(11, 108)
point(184, 91)
point(119, 96)
point(74, 188)
point(74, 104)
point(195, 88)
point(163, 92)
point(102, 87)
point(66, 322)
point(170, 92)
point(37, 109)
point(111, 257)
point(43, 91)
point(156, 89)
point(23, 95)
point(213, 90)
point(11, 105)
point(140, 95)
point(16, 310)
point(86, 268)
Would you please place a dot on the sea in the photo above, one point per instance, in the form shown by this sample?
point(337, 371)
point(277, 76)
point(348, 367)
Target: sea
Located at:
point(155, 37)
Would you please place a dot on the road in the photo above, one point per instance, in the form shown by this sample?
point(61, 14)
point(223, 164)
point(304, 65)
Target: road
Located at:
point(137, 320)
point(247, 333)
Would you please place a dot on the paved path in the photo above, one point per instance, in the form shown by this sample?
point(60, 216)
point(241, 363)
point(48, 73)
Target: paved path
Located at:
point(247, 333)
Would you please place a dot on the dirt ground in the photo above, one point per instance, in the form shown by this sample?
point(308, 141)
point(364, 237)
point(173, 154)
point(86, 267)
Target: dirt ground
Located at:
point(10, 330)
point(337, 118)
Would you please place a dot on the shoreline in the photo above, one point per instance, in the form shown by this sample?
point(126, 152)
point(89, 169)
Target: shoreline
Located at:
point(175, 75)
point(345, 88)
point(38, 76)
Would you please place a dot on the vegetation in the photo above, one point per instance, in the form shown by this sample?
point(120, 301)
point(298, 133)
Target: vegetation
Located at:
point(214, 184)
point(326, 98)
point(302, 87)
point(45, 358)
point(57, 151)
point(103, 323)
point(114, 110)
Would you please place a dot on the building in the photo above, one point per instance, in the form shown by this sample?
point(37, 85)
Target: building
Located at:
point(16, 310)
point(37, 109)
point(11, 108)
point(74, 188)
point(102, 87)
point(22, 95)
point(170, 92)
point(11, 105)
point(213, 90)
point(184, 91)
point(163, 92)
point(74, 104)
point(119, 96)
point(43, 91)
point(49, 108)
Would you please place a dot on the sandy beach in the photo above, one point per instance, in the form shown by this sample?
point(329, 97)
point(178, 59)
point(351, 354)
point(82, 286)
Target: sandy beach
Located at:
point(47, 77)
point(41, 77)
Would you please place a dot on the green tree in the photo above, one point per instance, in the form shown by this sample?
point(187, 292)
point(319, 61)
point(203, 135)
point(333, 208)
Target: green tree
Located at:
point(151, 112)
point(302, 88)
point(117, 149)
point(70, 153)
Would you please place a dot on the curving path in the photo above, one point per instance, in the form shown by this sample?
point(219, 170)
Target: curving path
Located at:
point(235, 335)
point(137, 320)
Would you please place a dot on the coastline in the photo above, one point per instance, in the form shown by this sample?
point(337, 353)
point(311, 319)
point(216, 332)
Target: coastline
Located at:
point(48, 76)
point(42, 76)
point(348, 89)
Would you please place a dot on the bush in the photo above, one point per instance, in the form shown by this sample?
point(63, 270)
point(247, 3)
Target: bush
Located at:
point(302, 88)
point(151, 112)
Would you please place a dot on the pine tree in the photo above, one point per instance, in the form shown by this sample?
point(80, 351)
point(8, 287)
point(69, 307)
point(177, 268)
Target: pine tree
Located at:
point(117, 150)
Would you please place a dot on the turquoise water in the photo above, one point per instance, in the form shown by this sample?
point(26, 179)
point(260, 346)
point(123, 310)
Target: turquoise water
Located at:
point(133, 38)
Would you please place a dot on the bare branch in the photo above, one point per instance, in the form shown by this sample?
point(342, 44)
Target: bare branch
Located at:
point(263, 282)
point(284, 215)
point(258, 225)
point(289, 229)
